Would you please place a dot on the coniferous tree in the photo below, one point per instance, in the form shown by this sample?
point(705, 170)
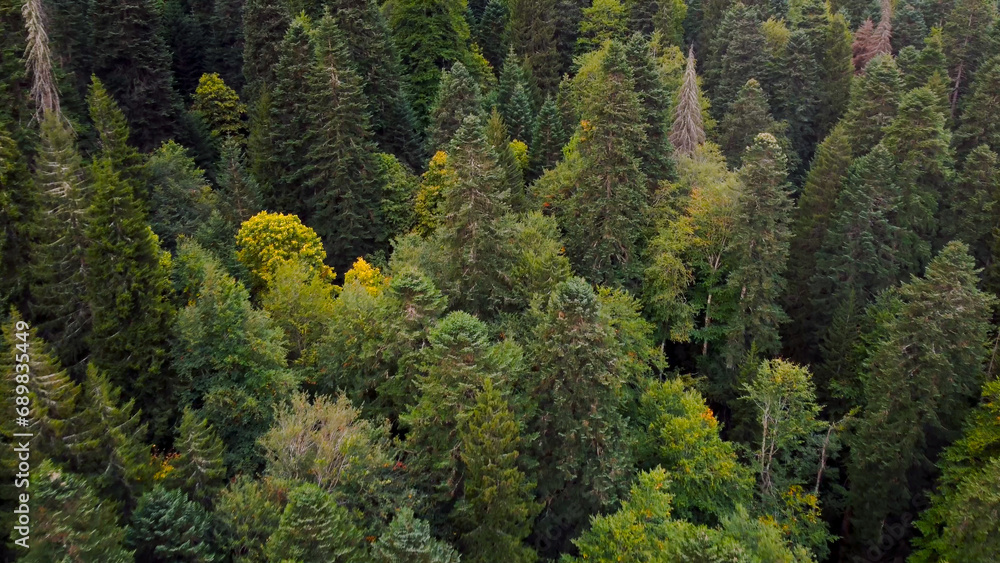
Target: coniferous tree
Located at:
point(198, 469)
point(761, 239)
point(507, 160)
point(980, 113)
point(19, 205)
point(409, 539)
point(861, 48)
point(73, 523)
point(314, 528)
point(58, 284)
point(458, 97)
point(970, 215)
point(513, 98)
point(922, 376)
point(238, 192)
point(492, 31)
point(180, 198)
point(577, 376)
point(429, 36)
point(603, 20)
point(797, 94)
point(166, 526)
point(833, 52)
point(747, 116)
point(498, 508)
point(370, 46)
point(654, 106)
point(226, 50)
point(688, 131)
point(967, 42)
point(113, 137)
point(545, 37)
point(131, 57)
point(737, 53)
point(128, 287)
point(874, 100)
point(547, 138)
point(265, 23)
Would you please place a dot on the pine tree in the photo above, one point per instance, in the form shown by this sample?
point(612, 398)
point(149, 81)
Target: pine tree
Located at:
point(547, 138)
point(166, 526)
point(370, 46)
point(72, 522)
point(577, 377)
point(429, 36)
point(409, 539)
point(198, 469)
point(874, 99)
point(58, 273)
point(132, 58)
point(314, 529)
point(128, 294)
point(497, 509)
point(747, 116)
point(761, 240)
point(458, 97)
point(922, 376)
point(113, 137)
point(265, 23)
point(688, 131)
point(980, 113)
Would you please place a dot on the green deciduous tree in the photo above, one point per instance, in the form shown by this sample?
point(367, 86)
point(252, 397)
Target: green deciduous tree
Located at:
point(602, 20)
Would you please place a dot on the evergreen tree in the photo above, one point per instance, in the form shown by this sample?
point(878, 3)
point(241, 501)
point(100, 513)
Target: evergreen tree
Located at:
point(797, 94)
point(908, 26)
point(834, 54)
point(314, 529)
point(238, 193)
point(970, 215)
point(492, 31)
point(967, 42)
point(497, 509)
point(180, 197)
point(265, 23)
point(226, 52)
point(58, 274)
point(398, 196)
point(72, 523)
point(545, 37)
point(19, 206)
point(980, 113)
point(547, 138)
point(409, 539)
point(654, 102)
point(761, 239)
point(429, 36)
point(603, 20)
point(922, 375)
point(746, 117)
point(113, 137)
point(688, 131)
point(131, 57)
point(577, 376)
point(198, 469)
point(737, 53)
point(370, 46)
point(458, 97)
point(874, 99)
point(128, 295)
point(166, 526)
point(507, 160)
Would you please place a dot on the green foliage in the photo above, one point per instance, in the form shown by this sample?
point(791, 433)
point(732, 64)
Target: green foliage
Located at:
point(875, 95)
point(547, 138)
point(18, 212)
point(602, 21)
point(971, 210)
point(71, 522)
point(737, 54)
point(198, 468)
point(247, 512)
point(166, 526)
point(301, 304)
point(967, 42)
point(398, 196)
point(264, 25)
point(267, 239)
point(409, 539)
point(315, 529)
point(219, 106)
point(942, 355)
point(113, 136)
point(458, 97)
point(979, 111)
point(181, 199)
point(747, 116)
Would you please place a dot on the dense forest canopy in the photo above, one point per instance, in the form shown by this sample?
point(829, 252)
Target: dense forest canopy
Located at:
point(500, 281)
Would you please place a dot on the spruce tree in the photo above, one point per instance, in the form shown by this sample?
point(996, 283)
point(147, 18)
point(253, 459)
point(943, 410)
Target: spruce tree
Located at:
point(458, 97)
point(265, 23)
point(198, 469)
point(747, 116)
point(180, 197)
point(498, 508)
point(226, 52)
point(72, 522)
point(492, 31)
point(797, 95)
point(908, 26)
point(603, 20)
point(761, 239)
point(408, 538)
point(429, 36)
point(128, 287)
point(874, 99)
point(514, 100)
point(688, 131)
point(922, 376)
point(131, 57)
point(58, 272)
point(370, 46)
point(737, 53)
point(113, 137)
point(547, 138)
point(980, 120)
point(167, 527)
point(238, 192)
point(314, 528)
point(970, 215)
point(544, 33)
point(834, 55)
point(654, 102)
point(576, 381)
point(507, 160)
point(967, 42)
point(19, 207)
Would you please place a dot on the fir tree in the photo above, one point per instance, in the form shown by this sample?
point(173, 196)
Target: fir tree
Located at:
point(980, 113)
point(492, 31)
point(265, 23)
point(544, 37)
point(737, 53)
point(796, 94)
point(966, 39)
point(238, 192)
point(314, 528)
point(429, 37)
point(409, 539)
point(513, 98)
point(113, 137)
point(874, 99)
point(128, 294)
point(73, 523)
point(38, 60)
point(59, 277)
point(922, 375)
point(507, 160)
point(497, 508)
point(180, 197)
point(971, 212)
point(226, 52)
point(547, 138)
point(198, 469)
point(746, 117)
point(603, 20)
point(19, 206)
point(132, 58)
point(908, 26)
point(166, 526)
point(370, 46)
point(688, 131)
point(577, 376)
point(654, 101)
point(458, 97)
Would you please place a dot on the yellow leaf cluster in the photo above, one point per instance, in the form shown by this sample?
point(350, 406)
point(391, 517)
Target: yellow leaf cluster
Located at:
point(266, 240)
point(367, 276)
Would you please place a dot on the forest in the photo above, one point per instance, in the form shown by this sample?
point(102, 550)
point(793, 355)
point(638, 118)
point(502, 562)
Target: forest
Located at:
point(500, 281)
